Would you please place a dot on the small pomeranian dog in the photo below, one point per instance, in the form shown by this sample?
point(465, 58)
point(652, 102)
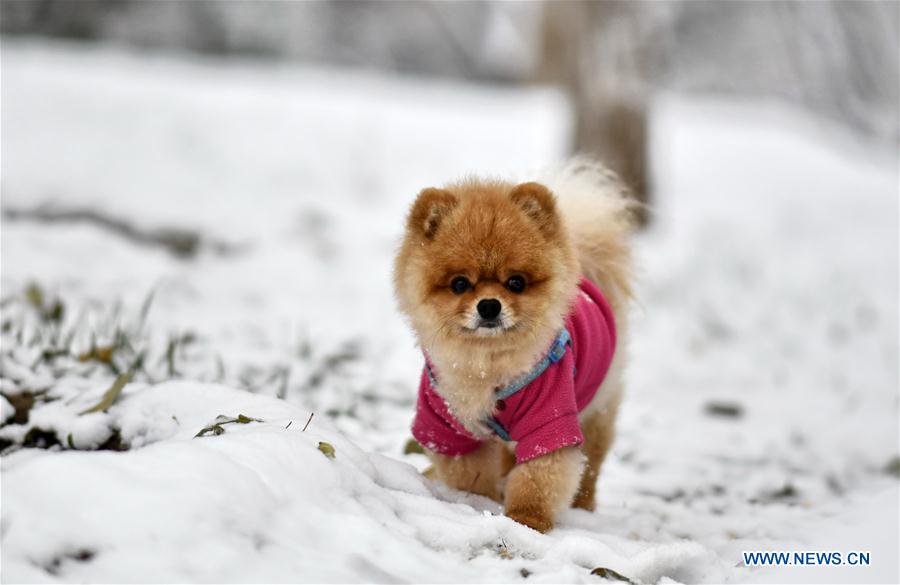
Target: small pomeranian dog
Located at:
point(518, 296)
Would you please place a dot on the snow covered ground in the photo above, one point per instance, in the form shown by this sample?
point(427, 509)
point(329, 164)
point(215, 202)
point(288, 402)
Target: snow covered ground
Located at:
point(762, 408)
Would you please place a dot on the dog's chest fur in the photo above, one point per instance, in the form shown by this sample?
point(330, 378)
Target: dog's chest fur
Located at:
point(468, 379)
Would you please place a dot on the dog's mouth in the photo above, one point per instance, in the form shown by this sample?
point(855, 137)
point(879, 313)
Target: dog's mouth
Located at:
point(489, 327)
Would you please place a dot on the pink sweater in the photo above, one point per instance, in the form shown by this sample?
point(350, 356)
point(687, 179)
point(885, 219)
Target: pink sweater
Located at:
point(542, 416)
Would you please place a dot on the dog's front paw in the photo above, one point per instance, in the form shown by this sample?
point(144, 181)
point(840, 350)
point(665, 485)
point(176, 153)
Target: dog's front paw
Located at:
point(532, 518)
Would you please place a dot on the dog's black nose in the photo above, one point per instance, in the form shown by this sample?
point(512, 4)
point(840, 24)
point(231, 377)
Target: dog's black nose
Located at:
point(489, 308)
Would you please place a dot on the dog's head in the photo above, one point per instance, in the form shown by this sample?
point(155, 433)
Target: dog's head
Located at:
point(488, 262)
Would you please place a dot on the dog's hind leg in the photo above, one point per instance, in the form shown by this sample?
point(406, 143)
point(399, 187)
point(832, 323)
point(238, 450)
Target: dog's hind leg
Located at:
point(598, 428)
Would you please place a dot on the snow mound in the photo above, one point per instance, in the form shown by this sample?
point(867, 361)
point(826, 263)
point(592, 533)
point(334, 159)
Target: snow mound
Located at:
point(262, 502)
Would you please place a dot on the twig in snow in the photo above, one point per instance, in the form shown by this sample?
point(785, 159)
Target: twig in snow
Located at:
point(309, 420)
point(178, 242)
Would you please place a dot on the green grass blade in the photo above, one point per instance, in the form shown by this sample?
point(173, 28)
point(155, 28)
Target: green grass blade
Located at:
point(110, 396)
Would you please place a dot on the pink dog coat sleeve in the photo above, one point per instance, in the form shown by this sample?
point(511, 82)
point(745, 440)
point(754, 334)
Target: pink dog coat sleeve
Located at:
point(543, 416)
point(435, 428)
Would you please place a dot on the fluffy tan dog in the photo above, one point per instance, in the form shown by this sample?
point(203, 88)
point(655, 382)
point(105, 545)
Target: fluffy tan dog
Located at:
point(500, 280)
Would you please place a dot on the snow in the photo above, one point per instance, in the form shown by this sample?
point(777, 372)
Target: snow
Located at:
point(768, 284)
point(261, 503)
point(6, 409)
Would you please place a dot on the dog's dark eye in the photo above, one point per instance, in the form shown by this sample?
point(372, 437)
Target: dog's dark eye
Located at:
point(515, 284)
point(459, 285)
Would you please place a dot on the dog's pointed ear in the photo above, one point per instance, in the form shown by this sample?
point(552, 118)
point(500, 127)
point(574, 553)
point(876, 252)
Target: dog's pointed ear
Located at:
point(538, 203)
point(431, 207)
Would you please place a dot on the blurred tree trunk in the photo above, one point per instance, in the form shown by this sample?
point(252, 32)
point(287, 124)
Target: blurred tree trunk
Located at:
point(599, 52)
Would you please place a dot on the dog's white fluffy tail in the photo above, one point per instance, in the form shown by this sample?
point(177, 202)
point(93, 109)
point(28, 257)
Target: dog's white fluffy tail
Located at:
point(599, 213)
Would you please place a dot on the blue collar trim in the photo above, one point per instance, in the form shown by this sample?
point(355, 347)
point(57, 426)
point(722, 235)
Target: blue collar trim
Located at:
point(556, 353)
point(497, 428)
